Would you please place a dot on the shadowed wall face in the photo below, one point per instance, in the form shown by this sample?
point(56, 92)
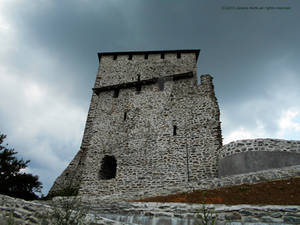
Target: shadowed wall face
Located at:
point(253, 155)
point(255, 161)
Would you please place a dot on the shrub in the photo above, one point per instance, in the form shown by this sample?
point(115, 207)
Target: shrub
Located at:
point(207, 216)
point(68, 212)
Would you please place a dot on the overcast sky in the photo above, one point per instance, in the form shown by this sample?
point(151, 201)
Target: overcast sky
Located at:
point(48, 65)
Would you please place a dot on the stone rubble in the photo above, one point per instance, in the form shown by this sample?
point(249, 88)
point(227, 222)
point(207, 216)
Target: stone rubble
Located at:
point(35, 212)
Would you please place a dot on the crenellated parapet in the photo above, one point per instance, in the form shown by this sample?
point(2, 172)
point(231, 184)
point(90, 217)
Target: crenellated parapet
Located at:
point(125, 67)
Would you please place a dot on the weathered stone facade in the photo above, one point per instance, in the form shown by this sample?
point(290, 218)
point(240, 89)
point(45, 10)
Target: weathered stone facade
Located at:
point(151, 129)
point(260, 144)
point(205, 184)
point(22, 212)
point(245, 156)
point(149, 125)
point(182, 214)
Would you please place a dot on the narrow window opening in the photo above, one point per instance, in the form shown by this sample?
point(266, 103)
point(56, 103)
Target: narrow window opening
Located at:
point(108, 168)
point(162, 55)
point(178, 55)
point(146, 56)
point(125, 116)
point(138, 85)
point(161, 85)
point(130, 57)
point(115, 57)
point(116, 93)
point(174, 130)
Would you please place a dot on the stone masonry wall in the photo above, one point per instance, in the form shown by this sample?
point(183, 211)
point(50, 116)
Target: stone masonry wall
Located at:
point(167, 134)
point(180, 214)
point(123, 70)
point(70, 177)
point(246, 156)
point(118, 213)
point(260, 144)
point(207, 184)
point(20, 212)
point(148, 153)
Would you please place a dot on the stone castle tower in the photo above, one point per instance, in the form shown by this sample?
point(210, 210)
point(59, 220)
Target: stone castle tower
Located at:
point(149, 125)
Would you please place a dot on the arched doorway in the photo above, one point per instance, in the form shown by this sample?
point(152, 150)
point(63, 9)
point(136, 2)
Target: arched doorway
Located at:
point(108, 168)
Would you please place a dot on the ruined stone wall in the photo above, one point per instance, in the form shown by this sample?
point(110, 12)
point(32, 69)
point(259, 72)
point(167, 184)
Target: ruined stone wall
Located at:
point(20, 212)
point(149, 153)
point(260, 144)
point(17, 211)
point(163, 131)
point(252, 155)
point(181, 213)
point(70, 178)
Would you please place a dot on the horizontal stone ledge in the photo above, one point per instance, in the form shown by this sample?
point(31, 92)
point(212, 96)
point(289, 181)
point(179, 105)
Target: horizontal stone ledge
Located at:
point(154, 80)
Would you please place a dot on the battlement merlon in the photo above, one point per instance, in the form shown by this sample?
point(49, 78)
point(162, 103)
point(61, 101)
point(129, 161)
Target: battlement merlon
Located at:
point(114, 55)
point(117, 68)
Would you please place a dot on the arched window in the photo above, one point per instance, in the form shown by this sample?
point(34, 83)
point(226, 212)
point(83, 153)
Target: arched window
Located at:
point(108, 168)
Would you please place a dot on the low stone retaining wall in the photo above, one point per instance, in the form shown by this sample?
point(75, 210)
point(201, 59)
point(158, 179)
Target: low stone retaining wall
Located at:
point(25, 212)
point(246, 162)
point(183, 214)
point(252, 155)
point(260, 144)
point(20, 212)
point(108, 209)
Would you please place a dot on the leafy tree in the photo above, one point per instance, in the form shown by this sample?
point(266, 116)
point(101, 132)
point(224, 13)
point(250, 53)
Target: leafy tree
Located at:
point(13, 182)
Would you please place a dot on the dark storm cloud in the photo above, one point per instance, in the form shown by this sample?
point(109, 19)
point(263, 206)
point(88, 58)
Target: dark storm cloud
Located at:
point(72, 33)
point(50, 57)
point(247, 52)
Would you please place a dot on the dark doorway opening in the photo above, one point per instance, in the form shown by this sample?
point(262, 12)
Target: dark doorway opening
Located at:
point(108, 168)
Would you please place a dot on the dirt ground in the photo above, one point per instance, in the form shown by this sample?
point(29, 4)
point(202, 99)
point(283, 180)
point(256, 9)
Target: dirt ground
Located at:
point(283, 192)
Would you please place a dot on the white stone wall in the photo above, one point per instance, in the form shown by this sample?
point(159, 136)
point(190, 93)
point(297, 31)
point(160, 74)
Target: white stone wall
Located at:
point(181, 213)
point(123, 70)
point(22, 212)
point(260, 144)
point(150, 159)
point(149, 156)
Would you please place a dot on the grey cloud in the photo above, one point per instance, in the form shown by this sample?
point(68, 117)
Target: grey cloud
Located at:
point(249, 53)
